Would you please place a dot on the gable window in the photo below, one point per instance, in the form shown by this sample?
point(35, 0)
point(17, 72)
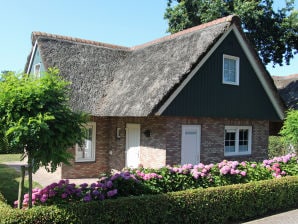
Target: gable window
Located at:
point(230, 70)
point(86, 152)
point(37, 70)
point(237, 140)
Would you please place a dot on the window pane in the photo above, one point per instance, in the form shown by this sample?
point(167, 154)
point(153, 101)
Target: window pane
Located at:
point(230, 140)
point(229, 70)
point(243, 140)
point(85, 151)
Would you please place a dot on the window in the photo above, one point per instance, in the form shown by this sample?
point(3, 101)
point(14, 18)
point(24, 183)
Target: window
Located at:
point(237, 140)
point(37, 70)
point(86, 152)
point(230, 70)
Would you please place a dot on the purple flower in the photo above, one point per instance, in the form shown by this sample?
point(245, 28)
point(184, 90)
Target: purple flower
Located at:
point(84, 185)
point(43, 199)
point(101, 197)
point(95, 193)
point(112, 193)
point(109, 184)
point(64, 195)
point(87, 198)
point(52, 193)
point(115, 176)
point(93, 185)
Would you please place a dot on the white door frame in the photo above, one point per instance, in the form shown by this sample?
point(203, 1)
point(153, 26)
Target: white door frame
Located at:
point(133, 129)
point(194, 153)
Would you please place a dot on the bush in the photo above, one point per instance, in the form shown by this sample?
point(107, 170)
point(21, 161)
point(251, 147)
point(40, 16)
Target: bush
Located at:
point(167, 179)
point(277, 146)
point(2, 199)
point(211, 205)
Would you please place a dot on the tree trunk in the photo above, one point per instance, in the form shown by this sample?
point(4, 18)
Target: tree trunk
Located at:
point(21, 187)
point(30, 179)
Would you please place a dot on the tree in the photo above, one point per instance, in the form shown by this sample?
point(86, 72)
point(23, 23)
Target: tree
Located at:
point(273, 33)
point(277, 147)
point(37, 121)
point(289, 131)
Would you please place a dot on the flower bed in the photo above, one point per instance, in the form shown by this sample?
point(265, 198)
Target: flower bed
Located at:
point(167, 179)
point(224, 204)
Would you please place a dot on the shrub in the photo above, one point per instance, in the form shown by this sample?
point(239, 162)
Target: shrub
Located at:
point(212, 205)
point(277, 146)
point(132, 182)
point(2, 199)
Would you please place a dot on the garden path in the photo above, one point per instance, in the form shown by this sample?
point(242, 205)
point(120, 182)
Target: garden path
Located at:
point(45, 178)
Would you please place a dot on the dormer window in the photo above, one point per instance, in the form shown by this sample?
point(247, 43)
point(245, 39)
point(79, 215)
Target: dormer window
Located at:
point(230, 70)
point(37, 70)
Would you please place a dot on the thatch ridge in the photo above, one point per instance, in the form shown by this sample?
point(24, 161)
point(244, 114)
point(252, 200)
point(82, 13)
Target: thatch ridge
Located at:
point(36, 34)
point(230, 19)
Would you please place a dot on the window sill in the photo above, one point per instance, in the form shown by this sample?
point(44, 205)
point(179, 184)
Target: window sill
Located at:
point(231, 83)
point(85, 161)
point(237, 155)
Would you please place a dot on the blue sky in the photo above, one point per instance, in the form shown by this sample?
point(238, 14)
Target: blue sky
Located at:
point(126, 23)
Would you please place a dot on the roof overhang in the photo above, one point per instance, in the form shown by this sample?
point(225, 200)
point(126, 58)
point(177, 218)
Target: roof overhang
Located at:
point(31, 57)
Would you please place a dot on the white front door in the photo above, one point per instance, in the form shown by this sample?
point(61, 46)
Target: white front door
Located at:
point(190, 144)
point(132, 145)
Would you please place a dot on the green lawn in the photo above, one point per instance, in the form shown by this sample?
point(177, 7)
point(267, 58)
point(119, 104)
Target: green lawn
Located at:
point(9, 184)
point(9, 157)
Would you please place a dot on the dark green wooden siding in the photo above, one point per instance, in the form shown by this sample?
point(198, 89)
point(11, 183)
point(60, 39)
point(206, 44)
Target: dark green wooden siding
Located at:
point(206, 96)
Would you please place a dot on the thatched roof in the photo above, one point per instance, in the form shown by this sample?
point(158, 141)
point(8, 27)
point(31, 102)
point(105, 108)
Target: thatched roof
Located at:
point(109, 80)
point(288, 89)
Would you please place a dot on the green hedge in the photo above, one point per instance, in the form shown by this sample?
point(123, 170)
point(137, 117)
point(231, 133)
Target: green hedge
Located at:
point(211, 205)
point(2, 199)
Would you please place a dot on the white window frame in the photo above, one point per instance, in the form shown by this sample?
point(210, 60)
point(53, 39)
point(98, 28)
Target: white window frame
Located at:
point(237, 60)
point(237, 128)
point(37, 71)
point(93, 145)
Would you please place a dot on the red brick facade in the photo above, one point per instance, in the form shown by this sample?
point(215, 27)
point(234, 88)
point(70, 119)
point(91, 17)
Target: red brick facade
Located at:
point(163, 147)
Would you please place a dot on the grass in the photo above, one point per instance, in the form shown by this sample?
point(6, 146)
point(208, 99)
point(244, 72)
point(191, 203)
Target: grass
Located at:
point(9, 157)
point(10, 178)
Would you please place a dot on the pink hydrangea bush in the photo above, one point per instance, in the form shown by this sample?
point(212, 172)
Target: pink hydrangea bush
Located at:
point(166, 179)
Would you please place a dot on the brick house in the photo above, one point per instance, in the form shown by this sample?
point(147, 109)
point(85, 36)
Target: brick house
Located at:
point(200, 95)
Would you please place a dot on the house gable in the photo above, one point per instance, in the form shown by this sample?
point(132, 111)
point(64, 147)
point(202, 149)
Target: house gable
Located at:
point(205, 95)
point(35, 60)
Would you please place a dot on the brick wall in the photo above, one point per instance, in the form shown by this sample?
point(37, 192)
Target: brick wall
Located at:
point(212, 138)
point(164, 144)
point(91, 169)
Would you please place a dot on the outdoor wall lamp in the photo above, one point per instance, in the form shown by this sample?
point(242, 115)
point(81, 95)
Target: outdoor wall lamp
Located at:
point(147, 133)
point(118, 133)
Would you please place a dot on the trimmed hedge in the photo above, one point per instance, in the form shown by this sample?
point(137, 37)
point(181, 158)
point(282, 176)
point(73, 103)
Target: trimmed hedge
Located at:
point(211, 205)
point(2, 199)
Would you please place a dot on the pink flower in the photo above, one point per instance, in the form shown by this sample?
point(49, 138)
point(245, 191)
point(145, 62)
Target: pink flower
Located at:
point(243, 173)
point(243, 163)
point(253, 165)
point(224, 170)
